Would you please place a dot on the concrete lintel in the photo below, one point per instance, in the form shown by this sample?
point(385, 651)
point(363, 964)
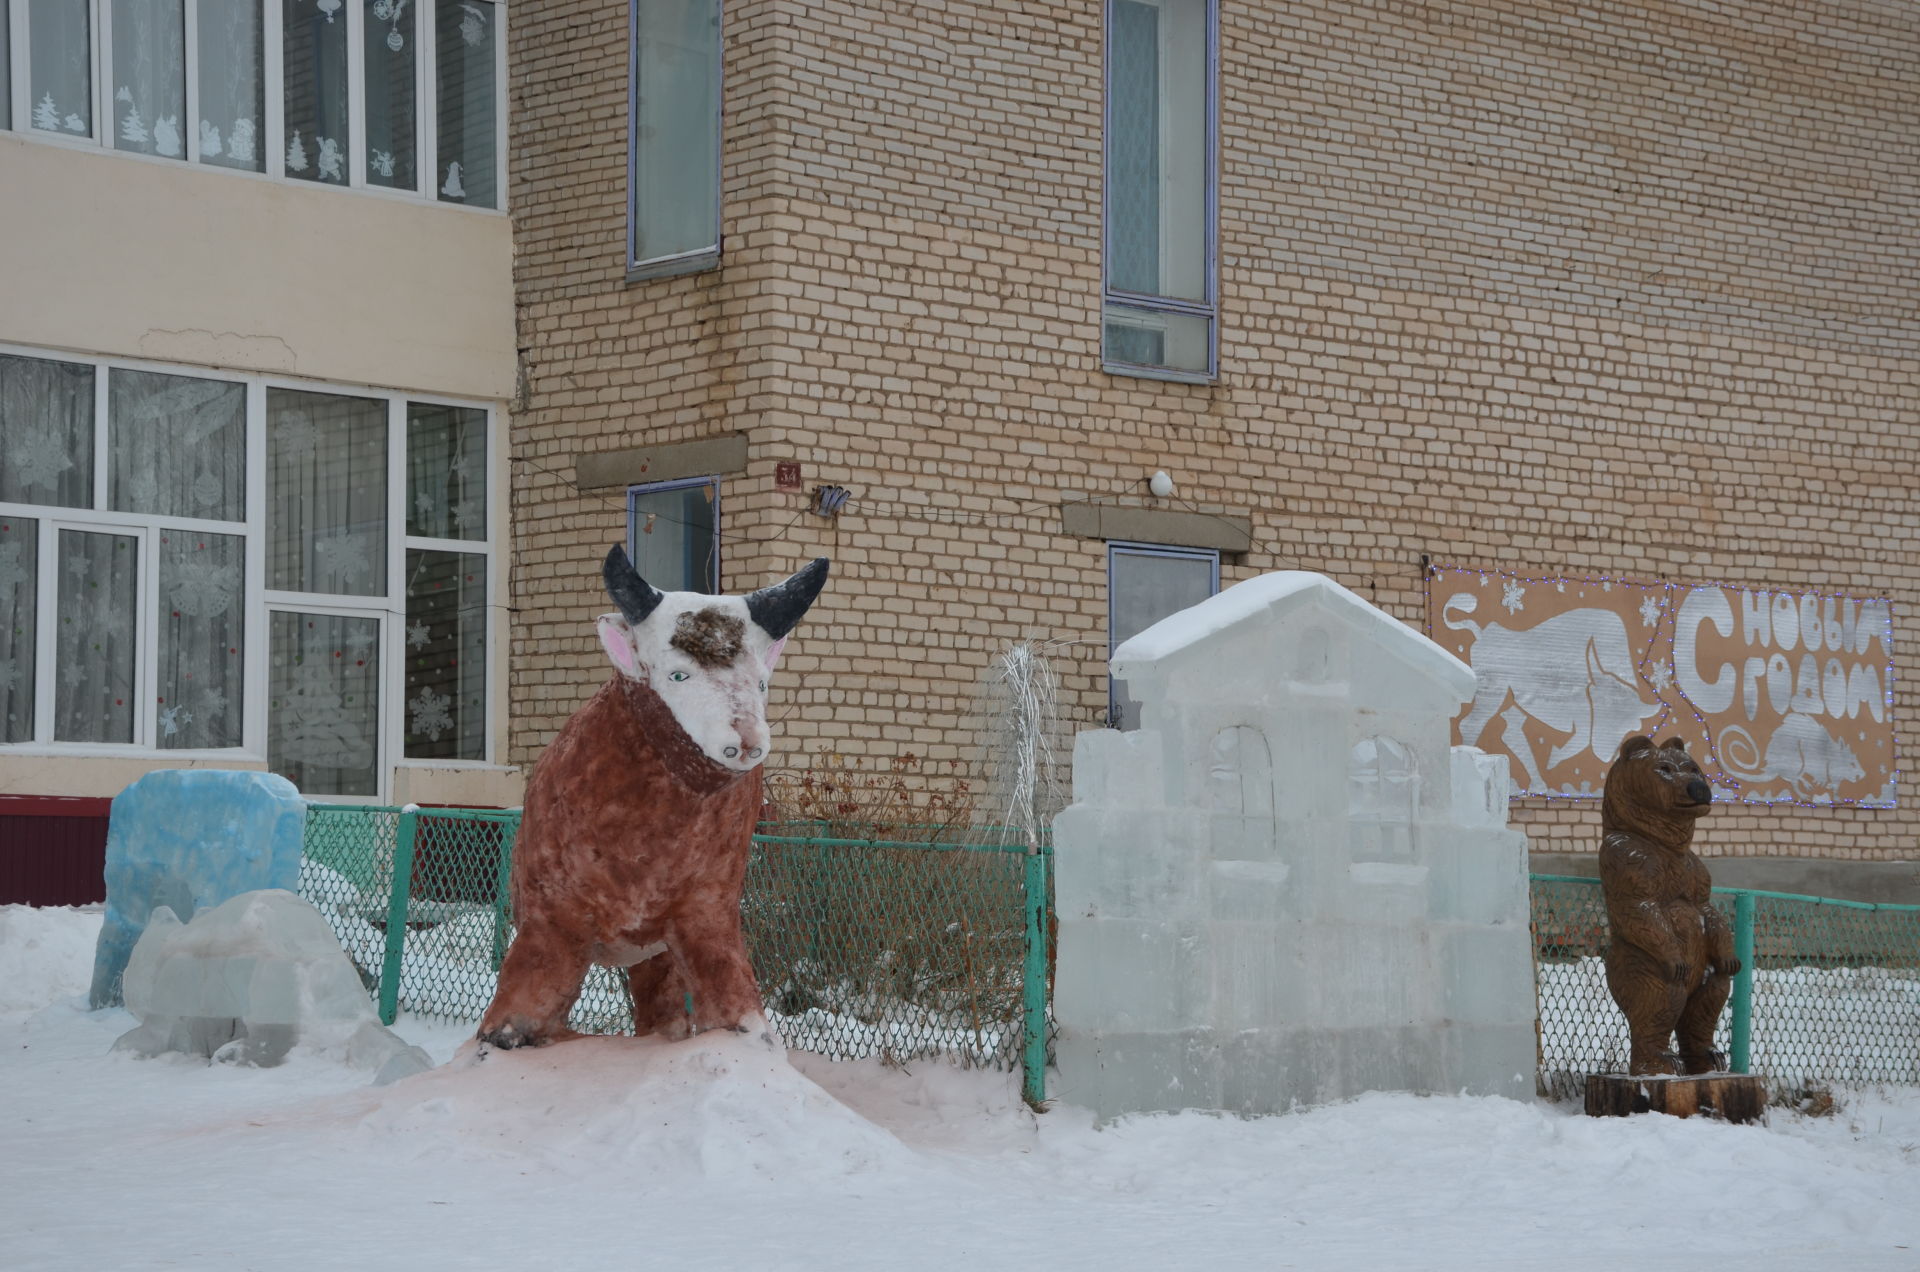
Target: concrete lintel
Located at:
point(1223, 531)
point(702, 457)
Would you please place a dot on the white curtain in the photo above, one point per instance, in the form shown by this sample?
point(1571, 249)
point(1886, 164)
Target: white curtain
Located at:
point(464, 35)
point(323, 705)
point(177, 445)
point(200, 678)
point(446, 472)
point(19, 615)
point(389, 52)
point(46, 417)
point(676, 184)
point(150, 76)
point(315, 59)
point(446, 655)
point(327, 493)
point(60, 61)
point(94, 634)
point(232, 93)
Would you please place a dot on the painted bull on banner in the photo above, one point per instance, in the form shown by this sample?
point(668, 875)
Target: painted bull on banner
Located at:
point(638, 819)
point(1573, 673)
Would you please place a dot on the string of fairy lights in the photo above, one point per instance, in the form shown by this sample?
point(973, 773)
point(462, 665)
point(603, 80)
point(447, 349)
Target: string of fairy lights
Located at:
point(1666, 589)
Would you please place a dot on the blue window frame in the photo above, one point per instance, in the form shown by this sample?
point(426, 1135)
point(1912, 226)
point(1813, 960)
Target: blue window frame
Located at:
point(1146, 582)
point(673, 534)
point(1160, 313)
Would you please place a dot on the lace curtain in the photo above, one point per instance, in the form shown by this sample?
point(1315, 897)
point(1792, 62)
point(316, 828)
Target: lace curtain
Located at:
point(232, 83)
point(464, 35)
point(446, 655)
point(327, 493)
point(19, 617)
point(46, 414)
point(389, 51)
point(314, 37)
point(150, 76)
point(323, 685)
point(94, 634)
point(200, 679)
point(177, 445)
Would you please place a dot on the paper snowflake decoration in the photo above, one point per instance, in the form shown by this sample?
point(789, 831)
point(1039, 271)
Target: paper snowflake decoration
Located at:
point(1649, 611)
point(202, 588)
point(13, 568)
point(1660, 675)
point(39, 458)
point(1511, 594)
point(346, 554)
point(418, 636)
point(428, 715)
point(213, 704)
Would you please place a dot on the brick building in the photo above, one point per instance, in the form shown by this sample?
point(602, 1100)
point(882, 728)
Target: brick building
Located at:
point(1525, 286)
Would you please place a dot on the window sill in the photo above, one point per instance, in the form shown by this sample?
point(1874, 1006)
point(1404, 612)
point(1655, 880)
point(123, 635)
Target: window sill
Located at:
point(674, 266)
point(1159, 373)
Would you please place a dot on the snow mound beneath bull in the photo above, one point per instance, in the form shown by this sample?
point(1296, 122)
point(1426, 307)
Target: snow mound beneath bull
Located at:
point(720, 1106)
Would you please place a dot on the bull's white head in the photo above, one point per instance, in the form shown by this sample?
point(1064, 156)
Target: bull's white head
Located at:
point(707, 657)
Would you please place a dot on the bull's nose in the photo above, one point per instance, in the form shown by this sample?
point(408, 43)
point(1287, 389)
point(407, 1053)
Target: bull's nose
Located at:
point(732, 751)
point(756, 753)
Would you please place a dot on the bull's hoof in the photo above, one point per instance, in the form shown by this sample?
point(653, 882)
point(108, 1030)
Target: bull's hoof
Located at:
point(507, 1037)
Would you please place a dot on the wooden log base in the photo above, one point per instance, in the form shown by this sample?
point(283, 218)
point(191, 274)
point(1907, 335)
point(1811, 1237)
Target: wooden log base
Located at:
point(1735, 1097)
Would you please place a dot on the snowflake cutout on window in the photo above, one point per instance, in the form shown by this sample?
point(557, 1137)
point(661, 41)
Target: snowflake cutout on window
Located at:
point(1660, 674)
point(173, 718)
point(13, 569)
point(470, 514)
point(418, 636)
point(1649, 611)
point(1510, 596)
point(39, 458)
point(362, 641)
point(207, 490)
point(428, 714)
point(74, 674)
point(213, 704)
point(424, 506)
point(473, 26)
point(78, 566)
point(202, 588)
point(295, 435)
point(346, 554)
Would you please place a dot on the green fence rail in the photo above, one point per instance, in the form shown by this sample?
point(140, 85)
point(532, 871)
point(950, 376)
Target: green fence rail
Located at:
point(862, 947)
point(1829, 991)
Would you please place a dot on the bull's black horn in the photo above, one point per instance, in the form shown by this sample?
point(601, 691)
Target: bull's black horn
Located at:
point(778, 609)
point(636, 597)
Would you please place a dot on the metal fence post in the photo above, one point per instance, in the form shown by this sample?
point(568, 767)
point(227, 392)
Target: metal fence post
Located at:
point(397, 913)
point(1742, 1048)
point(1033, 1085)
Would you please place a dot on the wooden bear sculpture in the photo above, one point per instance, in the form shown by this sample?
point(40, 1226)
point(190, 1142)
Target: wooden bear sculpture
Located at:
point(1670, 965)
point(633, 847)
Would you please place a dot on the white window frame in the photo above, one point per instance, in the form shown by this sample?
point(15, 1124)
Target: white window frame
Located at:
point(273, 108)
point(389, 607)
point(699, 259)
point(1209, 308)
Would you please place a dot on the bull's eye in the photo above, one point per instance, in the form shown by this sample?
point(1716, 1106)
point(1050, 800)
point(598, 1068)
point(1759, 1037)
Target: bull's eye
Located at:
point(763, 686)
point(676, 675)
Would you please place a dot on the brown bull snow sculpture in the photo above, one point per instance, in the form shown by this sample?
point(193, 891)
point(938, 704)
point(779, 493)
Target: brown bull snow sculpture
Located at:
point(1670, 964)
point(633, 844)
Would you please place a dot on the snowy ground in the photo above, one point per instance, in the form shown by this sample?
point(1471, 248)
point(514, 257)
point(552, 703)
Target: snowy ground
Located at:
point(720, 1153)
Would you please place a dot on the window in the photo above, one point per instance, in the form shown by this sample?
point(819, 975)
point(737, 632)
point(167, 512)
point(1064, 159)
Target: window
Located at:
point(1146, 583)
point(401, 95)
point(673, 157)
point(151, 601)
point(673, 534)
point(1160, 305)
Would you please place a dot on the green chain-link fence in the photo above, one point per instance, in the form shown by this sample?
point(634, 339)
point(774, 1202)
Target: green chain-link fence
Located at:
point(862, 947)
point(1829, 991)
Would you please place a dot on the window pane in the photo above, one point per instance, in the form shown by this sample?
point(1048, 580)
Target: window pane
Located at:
point(94, 632)
point(60, 66)
point(323, 706)
point(314, 34)
point(19, 612)
point(46, 417)
point(1145, 589)
point(232, 83)
point(202, 606)
point(446, 655)
point(673, 537)
point(390, 53)
point(150, 76)
point(177, 445)
point(1157, 152)
point(463, 55)
point(327, 493)
point(676, 126)
point(446, 472)
point(1152, 338)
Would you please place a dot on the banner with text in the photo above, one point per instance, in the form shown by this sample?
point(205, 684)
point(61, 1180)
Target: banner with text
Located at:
point(1782, 696)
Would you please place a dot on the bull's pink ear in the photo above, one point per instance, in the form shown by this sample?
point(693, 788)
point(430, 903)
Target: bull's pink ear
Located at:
point(774, 650)
point(615, 640)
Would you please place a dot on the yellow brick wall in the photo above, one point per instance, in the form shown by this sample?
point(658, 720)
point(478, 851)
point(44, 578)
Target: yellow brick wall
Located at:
point(1531, 285)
